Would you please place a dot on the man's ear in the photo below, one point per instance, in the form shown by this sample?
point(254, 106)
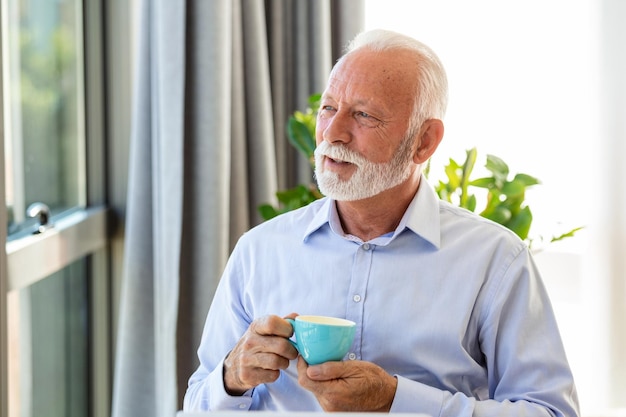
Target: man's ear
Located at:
point(430, 136)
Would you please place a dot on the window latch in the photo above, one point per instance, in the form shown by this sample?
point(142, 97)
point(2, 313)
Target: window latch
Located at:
point(42, 213)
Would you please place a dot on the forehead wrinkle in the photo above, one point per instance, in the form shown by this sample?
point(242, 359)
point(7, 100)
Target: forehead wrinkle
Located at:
point(347, 93)
point(379, 74)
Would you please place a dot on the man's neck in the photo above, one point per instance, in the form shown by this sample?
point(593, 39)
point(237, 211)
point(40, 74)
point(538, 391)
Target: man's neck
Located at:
point(373, 217)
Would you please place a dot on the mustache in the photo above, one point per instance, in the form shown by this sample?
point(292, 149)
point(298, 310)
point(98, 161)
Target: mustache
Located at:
point(338, 152)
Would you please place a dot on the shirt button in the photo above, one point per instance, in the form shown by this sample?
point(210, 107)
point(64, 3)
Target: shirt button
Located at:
point(366, 246)
point(352, 356)
point(356, 298)
point(242, 406)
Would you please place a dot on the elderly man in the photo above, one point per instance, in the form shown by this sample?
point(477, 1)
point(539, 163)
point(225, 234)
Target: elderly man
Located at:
point(452, 317)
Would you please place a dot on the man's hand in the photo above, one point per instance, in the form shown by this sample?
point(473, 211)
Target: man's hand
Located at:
point(259, 355)
point(348, 386)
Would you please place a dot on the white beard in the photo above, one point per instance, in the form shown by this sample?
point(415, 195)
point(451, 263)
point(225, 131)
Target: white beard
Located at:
point(369, 179)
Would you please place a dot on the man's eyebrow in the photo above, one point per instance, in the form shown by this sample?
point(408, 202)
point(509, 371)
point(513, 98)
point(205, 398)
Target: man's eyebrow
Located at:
point(374, 106)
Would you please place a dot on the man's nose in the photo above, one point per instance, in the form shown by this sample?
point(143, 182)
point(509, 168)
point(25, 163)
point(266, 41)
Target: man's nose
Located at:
point(338, 128)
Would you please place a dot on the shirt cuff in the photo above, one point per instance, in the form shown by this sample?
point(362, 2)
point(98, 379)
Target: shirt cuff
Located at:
point(415, 397)
point(219, 399)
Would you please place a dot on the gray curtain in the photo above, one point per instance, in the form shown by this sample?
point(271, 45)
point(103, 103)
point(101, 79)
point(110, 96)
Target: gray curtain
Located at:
point(215, 83)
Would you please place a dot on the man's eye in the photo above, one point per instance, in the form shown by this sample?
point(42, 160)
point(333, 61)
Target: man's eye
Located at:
point(366, 119)
point(325, 111)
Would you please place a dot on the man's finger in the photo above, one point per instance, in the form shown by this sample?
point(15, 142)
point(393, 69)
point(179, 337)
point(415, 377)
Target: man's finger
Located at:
point(326, 371)
point(303, 378)
point(272, 326)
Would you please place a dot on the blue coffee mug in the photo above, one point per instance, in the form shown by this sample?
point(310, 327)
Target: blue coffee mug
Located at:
point(321, 339)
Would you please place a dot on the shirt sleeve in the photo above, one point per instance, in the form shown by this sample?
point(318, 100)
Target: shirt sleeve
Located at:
point(225, 323)
point(206, 393)
point(525, 361)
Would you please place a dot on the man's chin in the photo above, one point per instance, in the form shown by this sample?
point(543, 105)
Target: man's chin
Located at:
point(341, 193)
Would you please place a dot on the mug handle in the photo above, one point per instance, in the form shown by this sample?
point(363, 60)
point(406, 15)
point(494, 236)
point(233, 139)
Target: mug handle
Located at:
point(293, 325)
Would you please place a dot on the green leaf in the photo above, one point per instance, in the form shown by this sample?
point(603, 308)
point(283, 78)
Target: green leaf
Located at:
point(290, 199)
point(267, 211)
point(514, 203)
point(513, 188)
point(314, 102)
point(471, 203)
point(300, 137)
point(296, 197)
point(308, 119)
point(493, 201)
point(566, 234)
point(520, 224)
point(499, 215)
point(468, 167)
point(527, 180)
point(486, 182)
point(452, 172)
point(498, 167)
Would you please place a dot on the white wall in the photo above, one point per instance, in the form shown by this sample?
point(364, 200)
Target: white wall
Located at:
point(522, 85)
point(540, 83)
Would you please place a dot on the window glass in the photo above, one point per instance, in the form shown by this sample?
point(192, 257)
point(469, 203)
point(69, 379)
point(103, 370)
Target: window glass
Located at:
point(48, 346)
point(43, 102)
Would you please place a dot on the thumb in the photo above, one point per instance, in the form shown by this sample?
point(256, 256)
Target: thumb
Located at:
point(325, 371)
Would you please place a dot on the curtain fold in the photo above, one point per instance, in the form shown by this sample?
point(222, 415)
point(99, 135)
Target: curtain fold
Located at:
point(215, 82)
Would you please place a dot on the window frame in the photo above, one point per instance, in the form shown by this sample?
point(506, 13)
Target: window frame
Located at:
point(4, 361)
point(83, 232)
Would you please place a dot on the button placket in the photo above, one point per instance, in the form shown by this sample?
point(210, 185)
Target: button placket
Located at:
point(357, 292)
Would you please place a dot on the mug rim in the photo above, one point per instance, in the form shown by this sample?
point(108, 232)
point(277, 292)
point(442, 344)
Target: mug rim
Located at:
point(325, 320)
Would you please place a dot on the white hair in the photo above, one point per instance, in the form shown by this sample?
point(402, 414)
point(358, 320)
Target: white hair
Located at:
point(432, 85)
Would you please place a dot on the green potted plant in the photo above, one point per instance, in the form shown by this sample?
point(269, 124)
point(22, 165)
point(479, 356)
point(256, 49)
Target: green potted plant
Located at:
point(301, 134)
point(505, 201)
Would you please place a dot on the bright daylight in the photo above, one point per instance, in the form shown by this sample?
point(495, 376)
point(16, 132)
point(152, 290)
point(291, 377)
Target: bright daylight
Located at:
point(525, 86)
point(297, 208)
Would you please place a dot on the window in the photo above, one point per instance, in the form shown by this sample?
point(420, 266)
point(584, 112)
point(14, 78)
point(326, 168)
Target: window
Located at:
point(54, 281)
point(43, 104)
point(48, 345)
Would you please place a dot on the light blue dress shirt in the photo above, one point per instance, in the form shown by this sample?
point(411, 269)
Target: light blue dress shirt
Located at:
point(450, 303)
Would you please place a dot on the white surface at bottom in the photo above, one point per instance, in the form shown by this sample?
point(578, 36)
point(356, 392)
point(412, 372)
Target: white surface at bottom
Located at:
point(283, 414)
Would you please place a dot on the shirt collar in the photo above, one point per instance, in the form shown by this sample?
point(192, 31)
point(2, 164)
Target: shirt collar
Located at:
point(421, 217)
point(322, 217)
